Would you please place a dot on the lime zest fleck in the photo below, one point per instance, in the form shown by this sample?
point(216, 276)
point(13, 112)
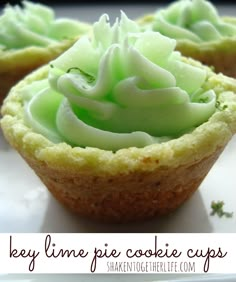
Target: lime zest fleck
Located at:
point(220, 107)
point(203, 100)
point(88, 77)
point(217, 209)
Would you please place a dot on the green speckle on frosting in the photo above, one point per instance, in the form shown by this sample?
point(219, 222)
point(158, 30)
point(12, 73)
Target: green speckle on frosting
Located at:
point(35, 25)
point(119, 88)
point(195, 20)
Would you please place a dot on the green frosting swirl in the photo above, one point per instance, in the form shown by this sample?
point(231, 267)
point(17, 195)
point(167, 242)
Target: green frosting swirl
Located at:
point(122, 88)
point(196, 20)
point(35, 25)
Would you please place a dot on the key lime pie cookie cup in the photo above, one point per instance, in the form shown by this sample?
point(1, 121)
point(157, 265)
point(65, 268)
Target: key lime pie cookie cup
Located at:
point(200, 32)
point(167, 133)
point(30, 37)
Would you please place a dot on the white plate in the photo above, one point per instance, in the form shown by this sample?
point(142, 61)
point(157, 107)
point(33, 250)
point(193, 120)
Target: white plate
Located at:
point(26, 205)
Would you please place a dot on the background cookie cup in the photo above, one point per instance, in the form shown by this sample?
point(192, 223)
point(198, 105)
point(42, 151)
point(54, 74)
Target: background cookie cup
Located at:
point(31, 36)
point(129, 184)
point(220, 55)
point(15, 64)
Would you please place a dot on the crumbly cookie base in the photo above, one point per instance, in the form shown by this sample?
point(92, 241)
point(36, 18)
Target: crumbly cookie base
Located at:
point(123, 198)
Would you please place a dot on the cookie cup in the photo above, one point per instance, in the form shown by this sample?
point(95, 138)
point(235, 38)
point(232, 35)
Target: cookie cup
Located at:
point(130, 184)
point(220, 55)
point(16, 64)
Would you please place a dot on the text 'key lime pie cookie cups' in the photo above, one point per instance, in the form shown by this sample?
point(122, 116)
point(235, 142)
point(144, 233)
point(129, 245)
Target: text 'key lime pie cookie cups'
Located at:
point(31, 36)
point(120, 127)
point(200, 31)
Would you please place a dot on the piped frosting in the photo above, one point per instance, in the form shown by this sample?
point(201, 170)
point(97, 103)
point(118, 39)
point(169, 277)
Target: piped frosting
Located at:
point(35, 25)
point(121, 88)
point(195, 20)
